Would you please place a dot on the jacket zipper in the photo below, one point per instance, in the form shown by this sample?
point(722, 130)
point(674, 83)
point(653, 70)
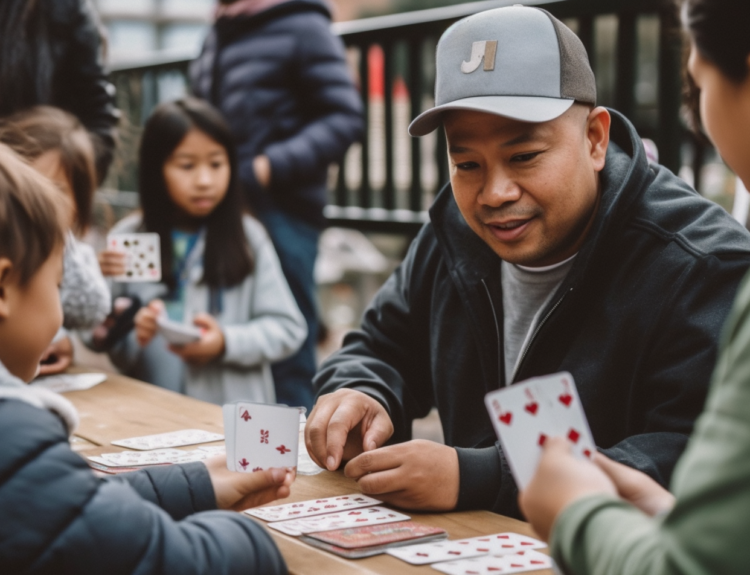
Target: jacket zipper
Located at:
point(537, 330)
point(497, 335)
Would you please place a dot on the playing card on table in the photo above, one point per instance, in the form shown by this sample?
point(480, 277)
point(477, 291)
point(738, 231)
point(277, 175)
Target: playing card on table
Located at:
point(312, 507)
point(498, 544)
point(493, 564)
point(341, 520)
point(143, 256)
point(142, 458)
point(378, 535)
point(526, 414)
point(64, 382)
point(170, 439)
point(260, 436)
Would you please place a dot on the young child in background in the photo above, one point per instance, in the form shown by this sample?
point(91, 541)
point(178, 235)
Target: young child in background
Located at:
point(57, 516)
point(58, 146)
point(219, 269)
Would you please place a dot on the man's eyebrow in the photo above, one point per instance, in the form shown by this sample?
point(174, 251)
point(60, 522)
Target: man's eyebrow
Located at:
point(523, 138)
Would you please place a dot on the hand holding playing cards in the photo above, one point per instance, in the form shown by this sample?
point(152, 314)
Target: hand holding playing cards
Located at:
point(418, 474)
point(344, 424)
point(57, 358)
point(112, 263)
point(560, 480)
point(210, 346)
point(636, 487)
point(145, 321)
point(239, 491)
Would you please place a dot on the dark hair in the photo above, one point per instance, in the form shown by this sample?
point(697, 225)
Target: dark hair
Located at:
point(32, 215)
point(228, 258)
point(721, 32)
point(42, 129)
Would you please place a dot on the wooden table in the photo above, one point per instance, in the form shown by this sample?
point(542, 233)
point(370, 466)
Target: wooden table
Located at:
point(122, 407)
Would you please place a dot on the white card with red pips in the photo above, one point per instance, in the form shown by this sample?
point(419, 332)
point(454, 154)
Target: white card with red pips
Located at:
point(493, 564)
point(526, 414)
point(142, 256)
point(497, 544)
point(312, 507)
point(340, 520)
point(260, 436)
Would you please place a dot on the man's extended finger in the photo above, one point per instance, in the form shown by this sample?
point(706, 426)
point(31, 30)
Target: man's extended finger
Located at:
point(375, 461)
point(390, 481)
point(316, 429)
point(346, 417)
point(377, 433)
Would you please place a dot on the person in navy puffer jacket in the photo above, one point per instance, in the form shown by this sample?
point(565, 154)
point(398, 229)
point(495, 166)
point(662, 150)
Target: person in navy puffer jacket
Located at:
point(280, 78)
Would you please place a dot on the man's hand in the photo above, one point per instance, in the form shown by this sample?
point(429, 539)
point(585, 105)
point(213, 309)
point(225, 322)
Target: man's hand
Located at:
point(238, 491)
point(344, 424)
point(112, 263)
point(145, 322)
point(636, 487)
point(560, 480)
point(417, 474)
point(57, 358)
point(210, 346)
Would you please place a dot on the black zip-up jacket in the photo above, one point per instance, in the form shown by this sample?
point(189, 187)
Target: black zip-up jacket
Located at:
point(636, 321)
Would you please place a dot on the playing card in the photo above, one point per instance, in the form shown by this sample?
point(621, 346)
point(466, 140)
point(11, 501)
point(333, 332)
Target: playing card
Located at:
point(65, 382)
point(177, 333)
point(170, 439)
point(143, 261)
point(340, 520)
point(143, 458)
point(264, 436)
point(526, 414)
point(497, 544)
point(492, 564)
point(312, 507)
point(379, 535)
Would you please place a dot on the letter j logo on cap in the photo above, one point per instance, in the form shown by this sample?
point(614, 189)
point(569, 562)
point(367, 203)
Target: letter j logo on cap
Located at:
point(484, 49)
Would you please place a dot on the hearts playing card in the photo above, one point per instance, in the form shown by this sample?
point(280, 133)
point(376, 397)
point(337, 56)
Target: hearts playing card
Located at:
point(498, 544)
point(493, 564)
point(170, 439)
point(260, 436)
point(526, 414)
point(340, 520)
point(143, 256)
point(312, 507)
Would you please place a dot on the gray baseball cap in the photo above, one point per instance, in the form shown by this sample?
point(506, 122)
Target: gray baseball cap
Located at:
point(519, 62)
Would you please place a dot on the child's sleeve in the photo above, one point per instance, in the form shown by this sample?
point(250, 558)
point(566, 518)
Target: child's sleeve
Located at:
point(277, 328)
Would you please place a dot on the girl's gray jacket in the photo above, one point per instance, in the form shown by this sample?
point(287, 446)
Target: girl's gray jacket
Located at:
point(259, 318)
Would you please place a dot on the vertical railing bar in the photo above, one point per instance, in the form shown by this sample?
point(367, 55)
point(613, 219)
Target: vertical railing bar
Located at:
point(586, 34)
point(389, 191)
point(670, 89)
point(416, 90)
point(626, 57)
point(365, 191)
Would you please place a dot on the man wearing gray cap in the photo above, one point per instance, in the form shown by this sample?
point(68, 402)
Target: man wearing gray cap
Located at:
point(555, 248)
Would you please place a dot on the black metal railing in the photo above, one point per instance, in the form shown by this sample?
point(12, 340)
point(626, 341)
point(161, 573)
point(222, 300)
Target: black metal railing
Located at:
point(387, 182)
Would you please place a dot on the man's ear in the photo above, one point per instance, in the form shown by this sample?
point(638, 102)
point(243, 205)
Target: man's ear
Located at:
point(6, 280)
point(597, 133)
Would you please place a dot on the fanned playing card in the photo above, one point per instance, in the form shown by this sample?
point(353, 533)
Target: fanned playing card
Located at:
point(492, 564)
point(260, 436)
point(312, 507)
point(341, 520)
point(143, 256)
point(170, 439)
point(497, 544)
point(526, 414)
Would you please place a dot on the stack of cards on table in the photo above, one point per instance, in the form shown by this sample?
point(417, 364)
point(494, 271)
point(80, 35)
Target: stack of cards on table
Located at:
point(526, 414)
point(169, 439)
point(260, 436)
point(65, 382)
point(143, 256)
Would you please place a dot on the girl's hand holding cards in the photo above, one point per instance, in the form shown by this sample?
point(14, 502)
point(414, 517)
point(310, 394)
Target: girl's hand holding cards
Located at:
point(145, 321)
point(112, 263)
point(210, 346)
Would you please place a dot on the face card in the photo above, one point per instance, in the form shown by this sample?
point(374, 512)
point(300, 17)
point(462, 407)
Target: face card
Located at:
point(341, 520)
point(378, 535)
point(527, 413)
point(265, 436)
point(143, 256)
point(170, 439)
point(497, 544)
point(492, 564)
point(312, 507)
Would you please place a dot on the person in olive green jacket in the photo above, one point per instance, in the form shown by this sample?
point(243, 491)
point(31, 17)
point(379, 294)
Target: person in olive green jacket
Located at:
point(603, 518)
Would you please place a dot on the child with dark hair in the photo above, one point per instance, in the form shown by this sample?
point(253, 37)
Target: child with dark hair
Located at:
point(57, 516)
point(604, 518)
point(58, 146)
point(219, 268)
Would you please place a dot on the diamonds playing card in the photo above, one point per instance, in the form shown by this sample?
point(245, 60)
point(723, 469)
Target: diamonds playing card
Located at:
point(143, 261)
point(493, 564)
point(312, 507)
point(170, 439)
point(526, 414)
point(497, 544)
point(341, 520)
point(260, 436)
